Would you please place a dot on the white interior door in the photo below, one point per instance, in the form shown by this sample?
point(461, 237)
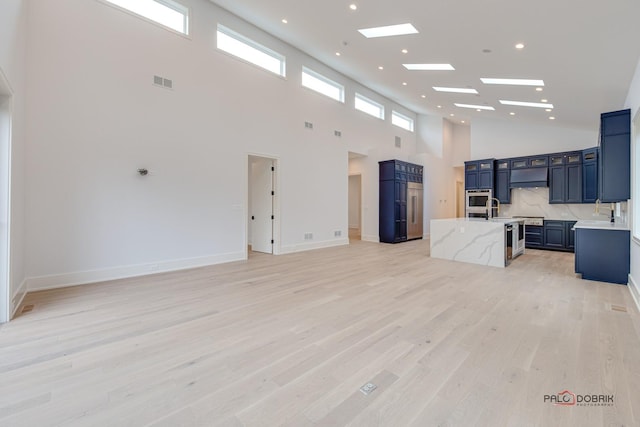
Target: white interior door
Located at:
point(262, 171)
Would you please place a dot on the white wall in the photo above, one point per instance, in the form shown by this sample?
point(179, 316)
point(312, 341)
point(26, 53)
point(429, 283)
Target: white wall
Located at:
point(633, 102)
point(494, 138)
point(96, 117)
point(13, 45)
point(461, 145)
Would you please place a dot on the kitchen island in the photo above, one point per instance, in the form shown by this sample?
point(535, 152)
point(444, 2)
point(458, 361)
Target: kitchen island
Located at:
point(472, 240)
point(603, 251)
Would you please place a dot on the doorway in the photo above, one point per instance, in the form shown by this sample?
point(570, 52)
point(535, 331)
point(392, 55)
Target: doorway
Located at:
point(261, 204)
point(5, 171)
point(460, 199)
point(355, 207)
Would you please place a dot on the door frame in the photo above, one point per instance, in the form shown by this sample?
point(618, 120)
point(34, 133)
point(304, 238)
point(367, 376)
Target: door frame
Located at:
point(360, 204)
point(5, 279)
point(277, 245)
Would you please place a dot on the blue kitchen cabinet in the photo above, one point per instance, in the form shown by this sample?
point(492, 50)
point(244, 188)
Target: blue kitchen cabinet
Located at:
point(603, 255)
point(478, 175)
point(590, 175)
point(554, 235)
point(394, 176)
point(502, 190)
point(534, 236)
point(565, 178)
point(614, 160)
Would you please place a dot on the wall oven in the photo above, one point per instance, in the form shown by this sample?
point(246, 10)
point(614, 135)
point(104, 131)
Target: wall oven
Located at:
point(476, 204)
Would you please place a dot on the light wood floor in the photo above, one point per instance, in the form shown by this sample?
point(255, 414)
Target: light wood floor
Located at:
point(289, 340)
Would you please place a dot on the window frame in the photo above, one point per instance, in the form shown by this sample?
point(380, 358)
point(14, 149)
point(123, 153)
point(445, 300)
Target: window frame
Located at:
point(372, 103)
point(314, 74)
point(254, 45)
point(171, 4)
point(395, 114)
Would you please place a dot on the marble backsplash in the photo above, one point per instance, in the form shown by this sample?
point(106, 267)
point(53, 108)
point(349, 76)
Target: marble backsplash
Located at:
point(535, 202)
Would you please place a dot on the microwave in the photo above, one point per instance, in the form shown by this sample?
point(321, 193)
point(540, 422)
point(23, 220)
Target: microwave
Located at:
point(476, 203)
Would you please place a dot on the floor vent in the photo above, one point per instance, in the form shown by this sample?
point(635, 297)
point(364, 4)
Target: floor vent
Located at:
point(27, 308)
point(368, 388)
point(619, 308)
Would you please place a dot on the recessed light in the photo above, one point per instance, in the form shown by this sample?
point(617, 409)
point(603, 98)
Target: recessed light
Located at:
point(424, 96)
point(544, 100)
point(353, 7)
point(381, 68)
point(439, 106)
point(548, 110)
point(538, 89)
point(520, 46)
point(526, 104)
point(479, 110)
point(552, 118)
point(428, 67)
point(452, 115)
point(284, 21)
point(512, 113)
point(515, 82)
point(388, 31)
point(462, 121)
point(455, 89)
point(477, 107)
point(405, 51)
point(404, 83)
point(338, 54)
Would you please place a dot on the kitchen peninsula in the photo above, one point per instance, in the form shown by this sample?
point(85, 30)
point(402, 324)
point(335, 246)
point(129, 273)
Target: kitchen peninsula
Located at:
point(491, 242)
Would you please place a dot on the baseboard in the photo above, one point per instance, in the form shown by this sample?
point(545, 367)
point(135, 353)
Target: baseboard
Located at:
point(17, 298)
point(301, 247)
point(635, 291)
point(85, 277)
point(370, 238)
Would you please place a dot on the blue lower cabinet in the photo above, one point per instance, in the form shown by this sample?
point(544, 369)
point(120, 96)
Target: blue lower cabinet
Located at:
point(603, 255)
point(534, 236)
point(554, 235)
point(570, 235)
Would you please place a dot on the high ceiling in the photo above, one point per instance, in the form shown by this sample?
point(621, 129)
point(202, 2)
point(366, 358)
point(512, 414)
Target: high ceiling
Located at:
point(586, 51)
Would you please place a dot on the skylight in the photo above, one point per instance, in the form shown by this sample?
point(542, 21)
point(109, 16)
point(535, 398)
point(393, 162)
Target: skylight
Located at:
point(322, 84)
point(455, 90)
point(526, 104)
point(245, 48)
point(515, 82)
point(402, 121)
point(428, 67)
point(370, 107)
point(164, 12)
point(388, 31)
point(476, 107)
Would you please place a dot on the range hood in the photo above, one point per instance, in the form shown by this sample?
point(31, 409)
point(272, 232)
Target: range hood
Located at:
point(530, 177)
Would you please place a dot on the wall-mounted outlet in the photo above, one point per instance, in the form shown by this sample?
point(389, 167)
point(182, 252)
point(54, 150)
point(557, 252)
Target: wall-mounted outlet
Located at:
point(337, 233)
point(308, 236)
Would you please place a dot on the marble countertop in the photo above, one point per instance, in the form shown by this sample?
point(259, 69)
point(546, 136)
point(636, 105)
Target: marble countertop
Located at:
point(600, 225)
point(498, 220)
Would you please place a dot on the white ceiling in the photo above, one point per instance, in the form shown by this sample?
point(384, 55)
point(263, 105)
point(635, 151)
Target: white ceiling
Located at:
point(586, 51)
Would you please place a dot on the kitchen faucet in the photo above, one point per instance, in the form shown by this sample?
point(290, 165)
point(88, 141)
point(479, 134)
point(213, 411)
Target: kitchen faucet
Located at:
point(490, 207)
point(597, 210)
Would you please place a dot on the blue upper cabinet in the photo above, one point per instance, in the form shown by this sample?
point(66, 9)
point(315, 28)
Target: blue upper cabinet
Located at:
point(614, 161)
point(478, 174)
point(565, 177)
point(590, 175)
point(501, 190)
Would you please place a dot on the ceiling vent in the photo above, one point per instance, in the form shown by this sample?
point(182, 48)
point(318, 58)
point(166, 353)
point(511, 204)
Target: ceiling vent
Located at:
point(162, 82)
point(308, 125)
point(157, 80)
point(337, 133)
point(167, 83)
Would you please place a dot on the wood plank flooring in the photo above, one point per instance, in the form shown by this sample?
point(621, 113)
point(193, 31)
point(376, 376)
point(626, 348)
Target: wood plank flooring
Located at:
point(289, 340)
